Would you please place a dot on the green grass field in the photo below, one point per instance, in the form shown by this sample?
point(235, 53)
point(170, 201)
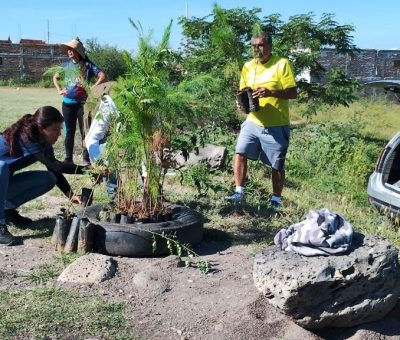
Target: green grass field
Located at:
point(376, 116)
point(15, 102)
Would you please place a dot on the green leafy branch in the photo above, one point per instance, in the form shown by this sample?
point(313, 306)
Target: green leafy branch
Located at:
point(181, 250)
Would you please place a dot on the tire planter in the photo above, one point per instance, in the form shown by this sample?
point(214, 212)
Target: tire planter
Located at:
point(136, 239)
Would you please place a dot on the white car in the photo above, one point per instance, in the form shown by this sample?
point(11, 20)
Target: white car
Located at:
point(384, 183)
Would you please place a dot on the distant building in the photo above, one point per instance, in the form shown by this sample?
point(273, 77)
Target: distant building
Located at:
point(365, 65)
point(28, 59)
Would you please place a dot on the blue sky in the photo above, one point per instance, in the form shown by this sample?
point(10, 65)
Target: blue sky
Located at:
point(377, 24)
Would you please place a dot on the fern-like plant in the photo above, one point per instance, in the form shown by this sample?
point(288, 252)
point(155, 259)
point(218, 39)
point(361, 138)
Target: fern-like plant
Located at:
point(155, 109)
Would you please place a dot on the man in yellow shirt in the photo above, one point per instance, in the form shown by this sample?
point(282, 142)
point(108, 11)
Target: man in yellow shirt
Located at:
point(265, 134)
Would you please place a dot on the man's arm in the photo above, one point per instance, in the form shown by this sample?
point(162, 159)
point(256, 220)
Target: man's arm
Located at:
point(262, 92)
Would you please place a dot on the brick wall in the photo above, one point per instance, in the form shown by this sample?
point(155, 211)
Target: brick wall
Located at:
point(366, 65)
point(29, 59)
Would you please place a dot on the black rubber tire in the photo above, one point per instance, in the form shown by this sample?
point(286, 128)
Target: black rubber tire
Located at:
point(136, 240)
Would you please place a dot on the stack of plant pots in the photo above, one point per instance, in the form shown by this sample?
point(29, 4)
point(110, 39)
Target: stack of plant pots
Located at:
point(72, 233)
point(247, 103)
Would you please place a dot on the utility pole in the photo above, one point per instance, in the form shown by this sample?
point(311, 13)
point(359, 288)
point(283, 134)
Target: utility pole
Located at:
point(48, 31)
point(187, 9)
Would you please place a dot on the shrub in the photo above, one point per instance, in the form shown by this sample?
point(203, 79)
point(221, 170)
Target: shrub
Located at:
point(334, 157)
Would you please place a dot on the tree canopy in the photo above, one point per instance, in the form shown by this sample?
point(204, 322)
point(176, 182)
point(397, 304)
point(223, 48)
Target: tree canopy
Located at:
point(108, 58)
point(218, 44)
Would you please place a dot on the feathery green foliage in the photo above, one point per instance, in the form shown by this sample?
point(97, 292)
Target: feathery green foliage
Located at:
point(257, 30)
point(68, 74)
point(155, 109)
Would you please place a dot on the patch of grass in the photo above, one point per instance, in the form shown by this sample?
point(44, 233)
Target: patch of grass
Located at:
point(66, 258)
point(45, 313)
point(42, 274)
point(375, 116)
point(36, 204)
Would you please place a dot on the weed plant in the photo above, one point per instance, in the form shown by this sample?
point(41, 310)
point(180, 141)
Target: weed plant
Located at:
point(42, 274)
point(333, 157)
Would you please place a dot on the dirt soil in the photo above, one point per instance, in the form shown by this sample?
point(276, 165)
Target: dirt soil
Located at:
point(182, 303)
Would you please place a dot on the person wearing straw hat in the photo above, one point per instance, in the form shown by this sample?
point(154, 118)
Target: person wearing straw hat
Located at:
point(77, 72)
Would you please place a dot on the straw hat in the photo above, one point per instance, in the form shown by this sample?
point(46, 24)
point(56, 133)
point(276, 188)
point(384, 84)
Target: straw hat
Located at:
point(74, 44)
point(104, 88)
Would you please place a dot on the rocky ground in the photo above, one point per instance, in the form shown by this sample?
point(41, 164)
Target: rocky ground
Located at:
point(179, 302)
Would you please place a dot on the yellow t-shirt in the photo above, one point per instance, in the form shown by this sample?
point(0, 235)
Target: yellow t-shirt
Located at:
point(275, 74)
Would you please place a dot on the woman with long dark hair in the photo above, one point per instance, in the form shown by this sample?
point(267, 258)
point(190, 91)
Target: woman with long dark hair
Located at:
point(25, 142)
point(77, 72)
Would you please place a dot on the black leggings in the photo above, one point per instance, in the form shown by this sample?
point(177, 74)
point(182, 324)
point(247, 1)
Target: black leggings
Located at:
point(73, 113)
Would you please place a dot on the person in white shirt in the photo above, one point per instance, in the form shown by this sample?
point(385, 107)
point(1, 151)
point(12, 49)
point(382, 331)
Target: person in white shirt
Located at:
point(96, 136)
point(95, 140)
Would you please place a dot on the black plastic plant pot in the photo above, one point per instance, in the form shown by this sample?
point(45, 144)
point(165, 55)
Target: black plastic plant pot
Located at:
point(61, 229)
point(243, 101)
point(254, 103)
point(126, 219)
point(115, 217)
point(143, 239)
point(87, 197)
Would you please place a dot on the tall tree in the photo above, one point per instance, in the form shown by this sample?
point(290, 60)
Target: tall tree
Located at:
point(219, 44)
point(107, 57)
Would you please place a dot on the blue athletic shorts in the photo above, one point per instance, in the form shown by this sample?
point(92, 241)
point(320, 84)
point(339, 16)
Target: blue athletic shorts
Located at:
point(269, 144)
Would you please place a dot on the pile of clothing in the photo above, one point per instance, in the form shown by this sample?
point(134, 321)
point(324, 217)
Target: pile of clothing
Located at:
point(323, 232)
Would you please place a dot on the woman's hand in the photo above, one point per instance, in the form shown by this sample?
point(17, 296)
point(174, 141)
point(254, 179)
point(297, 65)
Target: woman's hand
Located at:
point(237, 105)
point(76, 199)
point(97, 172)
point(62, 92)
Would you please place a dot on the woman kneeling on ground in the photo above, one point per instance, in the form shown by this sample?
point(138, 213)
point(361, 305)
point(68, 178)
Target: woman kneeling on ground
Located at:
point(25, 142)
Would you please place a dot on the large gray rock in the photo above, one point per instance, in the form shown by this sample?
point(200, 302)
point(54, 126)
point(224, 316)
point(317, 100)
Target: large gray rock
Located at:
point(337, 291)
point(90, 268)
point(212, 155)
